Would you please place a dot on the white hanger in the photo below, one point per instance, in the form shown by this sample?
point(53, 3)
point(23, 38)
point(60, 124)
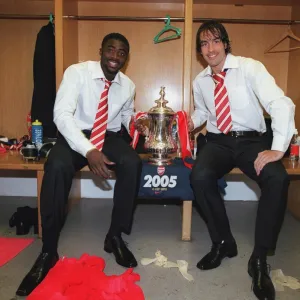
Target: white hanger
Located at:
point(288, 34)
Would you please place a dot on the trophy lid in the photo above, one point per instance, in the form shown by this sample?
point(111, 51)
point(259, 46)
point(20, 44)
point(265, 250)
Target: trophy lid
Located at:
point(161, 107)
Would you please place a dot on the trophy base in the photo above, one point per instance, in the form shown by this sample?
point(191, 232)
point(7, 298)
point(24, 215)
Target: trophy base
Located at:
point(160, 161)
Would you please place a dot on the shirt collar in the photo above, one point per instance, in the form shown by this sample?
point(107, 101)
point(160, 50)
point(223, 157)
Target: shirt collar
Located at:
point(231, 62)
point(97, 73)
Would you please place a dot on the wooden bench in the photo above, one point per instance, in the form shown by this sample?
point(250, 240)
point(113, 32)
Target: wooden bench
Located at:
point(12, 160)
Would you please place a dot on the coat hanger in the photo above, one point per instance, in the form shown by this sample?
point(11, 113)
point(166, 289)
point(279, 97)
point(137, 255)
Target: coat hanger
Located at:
point(167, 27)
point(51, 21)
point(51, 18)
point(288, 34)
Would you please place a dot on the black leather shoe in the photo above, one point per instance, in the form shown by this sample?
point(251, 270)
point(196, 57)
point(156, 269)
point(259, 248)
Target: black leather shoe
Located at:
point(23, 219)
point(38, 272)
point(22, 227)
point(13, 220)
point(123, 255)
point(262, 285)
point(218, 251)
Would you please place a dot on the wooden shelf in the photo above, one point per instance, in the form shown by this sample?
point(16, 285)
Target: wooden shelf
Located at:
point(135, 1)
point(249, 2)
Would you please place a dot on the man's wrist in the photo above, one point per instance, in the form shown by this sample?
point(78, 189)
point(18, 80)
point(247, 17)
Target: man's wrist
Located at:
point(279, 144)
point(89, 151)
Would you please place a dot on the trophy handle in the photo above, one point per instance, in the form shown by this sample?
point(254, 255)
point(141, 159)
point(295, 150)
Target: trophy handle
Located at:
point(142, 124)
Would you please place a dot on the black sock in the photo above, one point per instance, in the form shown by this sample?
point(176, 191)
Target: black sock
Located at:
point(114, 231)
point(259, 252)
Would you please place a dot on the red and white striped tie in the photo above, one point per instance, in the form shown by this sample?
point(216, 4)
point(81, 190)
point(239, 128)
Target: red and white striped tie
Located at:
point(224, 121)
point(100, 124)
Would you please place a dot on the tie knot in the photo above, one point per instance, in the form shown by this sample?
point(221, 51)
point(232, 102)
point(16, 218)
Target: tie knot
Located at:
point(107, 82)
point(220, 77)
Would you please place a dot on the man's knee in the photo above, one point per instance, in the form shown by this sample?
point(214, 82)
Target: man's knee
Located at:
point(56, 164)
point(131, 160)
point(202, 176)
point(281, 178)
point(276, 174)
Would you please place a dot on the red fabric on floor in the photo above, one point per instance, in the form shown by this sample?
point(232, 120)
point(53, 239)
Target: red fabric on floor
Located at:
point(84, 279)
point(11, 247)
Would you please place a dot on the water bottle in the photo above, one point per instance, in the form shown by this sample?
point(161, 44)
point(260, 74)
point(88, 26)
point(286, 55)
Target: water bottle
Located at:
point(37, 134)
point(294, 147)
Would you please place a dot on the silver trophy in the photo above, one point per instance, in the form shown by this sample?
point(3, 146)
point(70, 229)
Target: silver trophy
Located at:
point(160, 142)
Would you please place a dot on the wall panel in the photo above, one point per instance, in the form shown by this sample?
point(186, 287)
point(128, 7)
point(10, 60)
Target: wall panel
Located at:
point(294, 67)
point(18, 39)
point(70, 37)
point(150, 65)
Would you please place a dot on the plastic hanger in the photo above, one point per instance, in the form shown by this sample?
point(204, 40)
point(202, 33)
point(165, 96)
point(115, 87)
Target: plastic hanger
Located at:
point(51, 21)
point(51, 18)
point(288, 34)
point(167, 27)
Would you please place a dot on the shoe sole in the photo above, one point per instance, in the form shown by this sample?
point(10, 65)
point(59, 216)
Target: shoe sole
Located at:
point(20, 295)
point(108, 250)
point(226, 256)
point(250, 273)
point(232, 255)
point(253, 290)
point(24, 293)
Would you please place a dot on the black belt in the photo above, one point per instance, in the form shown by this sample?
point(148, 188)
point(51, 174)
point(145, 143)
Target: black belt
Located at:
point(243, 133)
point(87, 132)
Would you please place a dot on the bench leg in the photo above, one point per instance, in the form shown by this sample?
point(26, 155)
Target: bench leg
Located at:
point(187, 220)
point(75, 193)
point(294, 199)
point(40, 175)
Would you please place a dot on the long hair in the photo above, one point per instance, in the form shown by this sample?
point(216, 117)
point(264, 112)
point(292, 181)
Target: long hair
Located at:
point(217, 30)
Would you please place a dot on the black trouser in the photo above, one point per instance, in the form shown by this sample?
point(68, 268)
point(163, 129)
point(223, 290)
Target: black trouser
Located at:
point(218, 157)
point(60, 168)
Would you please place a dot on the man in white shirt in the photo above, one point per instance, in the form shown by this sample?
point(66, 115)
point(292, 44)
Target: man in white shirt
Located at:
point(89, 92)
point(228, 95)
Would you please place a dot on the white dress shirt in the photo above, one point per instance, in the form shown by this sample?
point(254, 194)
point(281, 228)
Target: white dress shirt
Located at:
point(249, 85)
point(77, 102)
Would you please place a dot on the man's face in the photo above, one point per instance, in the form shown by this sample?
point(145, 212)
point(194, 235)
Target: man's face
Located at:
point(113, 56)
point(213, 50)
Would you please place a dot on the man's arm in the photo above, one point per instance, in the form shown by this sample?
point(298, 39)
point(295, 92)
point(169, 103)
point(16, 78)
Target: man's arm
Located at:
point(278, 106)
point(128, 109)
point(200, 113)
point(64, 109)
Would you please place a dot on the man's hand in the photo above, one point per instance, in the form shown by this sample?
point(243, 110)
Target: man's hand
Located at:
point(97, 162)
point(265, 157)
point(190, 124)
point(141, 127)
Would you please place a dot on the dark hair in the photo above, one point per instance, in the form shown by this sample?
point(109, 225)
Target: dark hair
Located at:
point(115, 36)
point(216, 29)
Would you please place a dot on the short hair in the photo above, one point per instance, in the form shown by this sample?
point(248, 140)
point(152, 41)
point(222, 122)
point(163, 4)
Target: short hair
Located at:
point(218, 30)
point(115, 36)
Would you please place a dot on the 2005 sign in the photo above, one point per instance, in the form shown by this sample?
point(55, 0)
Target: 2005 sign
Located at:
point(164, 181)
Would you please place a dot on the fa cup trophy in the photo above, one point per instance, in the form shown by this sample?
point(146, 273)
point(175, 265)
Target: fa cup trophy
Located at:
point(160, 142)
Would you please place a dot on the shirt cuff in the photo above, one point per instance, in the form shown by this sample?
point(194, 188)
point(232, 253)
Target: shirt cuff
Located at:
point(127, 125)
point(85, 147)
point(196, 122)
point(279, 143)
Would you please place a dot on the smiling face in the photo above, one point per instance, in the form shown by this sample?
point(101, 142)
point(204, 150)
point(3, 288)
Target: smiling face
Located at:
point(213, 50)
point(113, 56)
